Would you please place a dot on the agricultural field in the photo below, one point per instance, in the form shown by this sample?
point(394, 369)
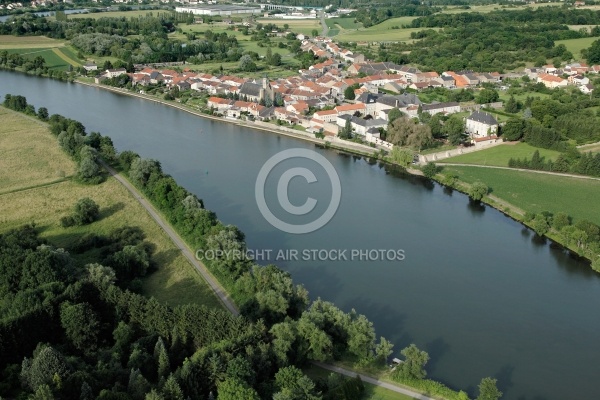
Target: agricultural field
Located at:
point(53, 57)
point(535, 192)
point(304, 26)
point(343, 23)
point(33, 191)
point(576, 45)
point(28, 42)
point(499, 155)
point(377, 34)
point(594, 148)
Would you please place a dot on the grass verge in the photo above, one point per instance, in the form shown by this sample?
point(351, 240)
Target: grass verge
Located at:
point(500, 155)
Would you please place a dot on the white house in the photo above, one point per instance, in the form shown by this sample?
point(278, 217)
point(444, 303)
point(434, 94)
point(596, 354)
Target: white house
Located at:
point(446, 108)
point(481, 124)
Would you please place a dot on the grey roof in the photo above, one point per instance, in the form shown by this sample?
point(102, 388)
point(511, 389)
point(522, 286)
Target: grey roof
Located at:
point(447, 78)
point(435, 106)
point(250, 89)
point(401, 100)
point(483, 118)
point(368, 123)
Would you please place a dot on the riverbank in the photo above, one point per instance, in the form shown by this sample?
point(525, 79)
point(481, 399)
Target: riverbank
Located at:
point(515, 212)
point(331, 142)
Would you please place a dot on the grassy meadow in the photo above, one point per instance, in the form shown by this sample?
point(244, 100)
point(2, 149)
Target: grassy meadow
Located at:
point(32, 191)
point(57, 55)
point(535, 192)
point(304, 26)
point(499, 155)
point(576, 45)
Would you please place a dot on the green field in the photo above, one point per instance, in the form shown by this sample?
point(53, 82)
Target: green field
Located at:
point(342, 22)
point(576, 45)
point(536, 192)
point(36, 188)
point(28, 42)
point(53, 60)
point(499, 155)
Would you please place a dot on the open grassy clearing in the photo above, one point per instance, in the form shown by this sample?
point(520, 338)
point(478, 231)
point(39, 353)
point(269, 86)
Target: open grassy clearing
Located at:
point(63, 56)
point(579, 27)
point(576, 45)
point(499, 155)
point(30, 155)
point(33, 159)
point(536, 192)
point(372, 392)
point(28, 42)
point(342, 22)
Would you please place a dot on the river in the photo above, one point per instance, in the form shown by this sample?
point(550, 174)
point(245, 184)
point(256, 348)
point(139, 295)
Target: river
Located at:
point(476, 290)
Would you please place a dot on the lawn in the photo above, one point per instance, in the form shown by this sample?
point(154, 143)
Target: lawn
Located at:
point(372, 392)
point(536, 192)
point(576, 45)
point(30, 157)
point(28, 42)
point(499, 155)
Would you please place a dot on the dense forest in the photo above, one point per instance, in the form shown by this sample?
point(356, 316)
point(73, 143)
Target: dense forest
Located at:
point(495, 41)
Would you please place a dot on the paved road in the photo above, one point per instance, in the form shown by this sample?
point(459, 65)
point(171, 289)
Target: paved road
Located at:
point(373, 381)
point(214, 285)
point(324, 25)
point(520, 169)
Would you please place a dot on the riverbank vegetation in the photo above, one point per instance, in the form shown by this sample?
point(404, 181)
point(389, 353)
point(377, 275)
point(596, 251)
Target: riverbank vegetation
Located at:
point(553, 206)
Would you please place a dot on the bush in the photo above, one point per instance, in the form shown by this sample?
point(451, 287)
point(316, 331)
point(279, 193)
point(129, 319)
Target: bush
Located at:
point(478, 190)
point(85, 212)
point(430, 170)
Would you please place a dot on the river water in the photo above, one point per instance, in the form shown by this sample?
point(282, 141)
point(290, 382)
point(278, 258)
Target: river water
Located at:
point(476, 290)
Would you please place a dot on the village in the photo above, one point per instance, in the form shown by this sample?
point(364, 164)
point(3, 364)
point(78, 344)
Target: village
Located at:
point(318, 100)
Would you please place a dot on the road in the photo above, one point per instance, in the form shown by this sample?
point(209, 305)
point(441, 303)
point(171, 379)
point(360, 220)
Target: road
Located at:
point(214, 285)
point(520, 169)
point(373, 381)
point(324, 25)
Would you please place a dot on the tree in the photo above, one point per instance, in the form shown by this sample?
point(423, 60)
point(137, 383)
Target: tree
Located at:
point(593, 53)
point(383, 350)
point(276, 59)
point(413, 366)
point(511, 105)
point(430, 170)
point(455, 129)
point(269, 56)
point(234, 389)
point(540, 224)
point(172, 390)
point(560, 220)
point(247, 64)
point(88, 170)
point(162, 358)
point(346, 131)
point(47, 362)
point(478, 190)
point(362, 337)
point(409, 132)
point(488, 390)
point(141, 169)
point(81, 325)
point(292, 384)
point(314, 32)
point(85, 211)
point(403, 157)
point(42, 113)
point(394, 114)
point(513, 129)
point(349, 93)
point(487, 96)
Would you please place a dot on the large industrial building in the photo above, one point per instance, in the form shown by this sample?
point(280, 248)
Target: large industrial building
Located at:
point(219, 9)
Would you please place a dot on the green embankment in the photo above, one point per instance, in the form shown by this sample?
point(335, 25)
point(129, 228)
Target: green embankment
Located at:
point(534, 192)
point(500, 155)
